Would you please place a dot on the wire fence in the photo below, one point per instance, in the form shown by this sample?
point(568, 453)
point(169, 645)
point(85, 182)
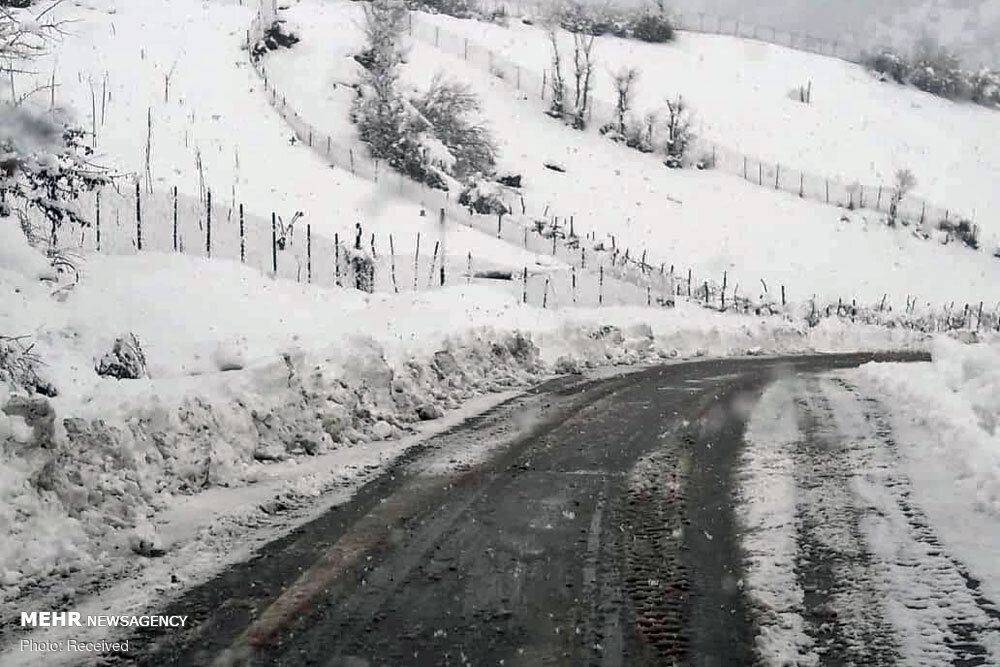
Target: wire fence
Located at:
point(850, 48)
point(883, 198)
point(129, 221)
point(568, 269)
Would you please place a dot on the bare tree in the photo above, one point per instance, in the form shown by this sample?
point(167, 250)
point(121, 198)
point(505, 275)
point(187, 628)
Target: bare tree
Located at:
point(46, 160)
point(558, 106)
point(624, 79)
point(680, 131)
point(583, 70)
point(905, 182)
point(21, 41)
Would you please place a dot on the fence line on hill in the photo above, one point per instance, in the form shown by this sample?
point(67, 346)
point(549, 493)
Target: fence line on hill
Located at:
point(910, 210)
point(620, 276)
point(131, 221)
point(849, 48)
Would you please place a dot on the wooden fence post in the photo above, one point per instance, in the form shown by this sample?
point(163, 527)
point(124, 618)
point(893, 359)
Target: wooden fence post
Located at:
point(784, 302)
point(138, 217)
point(243, 244)
point(725, 282)
point(499, 224)
point(689, 283)
point(336, 259)
point(524, 286)
point(175, 218)
point(98, 222)
point(274, 243)
point(416, 262)
point(208, 225)
point(442, 248)
point(545, 294)
point(828, 191)
point(392, 264)
point(309, 254)
point(760, 174)
point(600, 290)
point(777, 176)
point(434, 257)
point(573, 281)
point(468, 269)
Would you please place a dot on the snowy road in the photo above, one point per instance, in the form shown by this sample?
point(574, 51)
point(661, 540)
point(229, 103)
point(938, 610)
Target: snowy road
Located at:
point(717, 513)
point(844, 567)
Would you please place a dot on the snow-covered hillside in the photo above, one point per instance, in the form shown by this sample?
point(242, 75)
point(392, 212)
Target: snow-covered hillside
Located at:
point(709, 221)
point(856, 129)
point(249, 374)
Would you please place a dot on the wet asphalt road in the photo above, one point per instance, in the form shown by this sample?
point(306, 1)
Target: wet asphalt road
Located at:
point(604, 535)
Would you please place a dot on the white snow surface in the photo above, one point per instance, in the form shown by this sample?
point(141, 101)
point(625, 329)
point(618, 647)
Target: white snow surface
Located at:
point(946, 415)
point(708, 221)
point(266, 392)
point(857, 129)
point(848, 473)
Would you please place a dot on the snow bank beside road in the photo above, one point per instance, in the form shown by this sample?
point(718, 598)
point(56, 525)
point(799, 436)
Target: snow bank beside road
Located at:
point(246, 371)
point(946, 417)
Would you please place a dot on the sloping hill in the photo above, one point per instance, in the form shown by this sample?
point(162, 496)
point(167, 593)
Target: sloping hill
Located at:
point(707, 221)
point(856, 129)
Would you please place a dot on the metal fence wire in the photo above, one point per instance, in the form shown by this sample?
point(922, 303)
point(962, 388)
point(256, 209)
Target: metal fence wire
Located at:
point(909, 210)
point(580, 271)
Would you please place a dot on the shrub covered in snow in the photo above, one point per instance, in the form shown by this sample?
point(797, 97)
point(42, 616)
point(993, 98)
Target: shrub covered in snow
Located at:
point(45, 165)
point(633, 22)
point(889, 64)
point(463, 9)
point(483, 197)
point(275, 37)
point(938, 71)
point(431, 137)
point(652, 27)
point(125, 360)
point(963, 230)
point(451, 109)
point(680, 132)
point(19, 366)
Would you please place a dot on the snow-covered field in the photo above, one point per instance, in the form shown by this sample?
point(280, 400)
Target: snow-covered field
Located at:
point(948, 413)
point(708, 221)
point(264, 394)
point(871, 511)
point(856, 129)
point(267, 399)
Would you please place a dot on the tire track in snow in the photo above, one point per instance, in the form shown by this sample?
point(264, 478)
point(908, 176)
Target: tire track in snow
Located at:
point(766, 513)
point(833, 564)
point(935, 605)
